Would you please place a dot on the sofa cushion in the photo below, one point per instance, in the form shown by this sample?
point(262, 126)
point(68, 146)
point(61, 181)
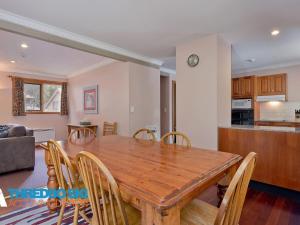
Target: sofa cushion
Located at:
point(16, 153)
point(16, 131)
point(4, 131)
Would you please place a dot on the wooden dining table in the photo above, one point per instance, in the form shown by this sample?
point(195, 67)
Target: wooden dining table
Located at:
point(157, 179)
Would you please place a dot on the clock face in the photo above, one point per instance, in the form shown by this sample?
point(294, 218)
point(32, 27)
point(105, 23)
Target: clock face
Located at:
point(193, 60)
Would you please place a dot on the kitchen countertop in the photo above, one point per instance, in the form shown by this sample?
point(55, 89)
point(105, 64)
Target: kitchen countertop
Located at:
point(296, 120)
point(264, 128)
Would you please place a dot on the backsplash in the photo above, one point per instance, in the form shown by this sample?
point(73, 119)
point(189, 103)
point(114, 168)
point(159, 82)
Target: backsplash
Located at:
point(278, 110)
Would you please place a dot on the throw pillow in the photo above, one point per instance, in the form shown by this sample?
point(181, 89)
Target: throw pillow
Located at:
point(17, 131)
point(3, 131)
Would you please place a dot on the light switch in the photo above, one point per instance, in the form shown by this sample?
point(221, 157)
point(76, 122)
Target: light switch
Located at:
point(132, 109)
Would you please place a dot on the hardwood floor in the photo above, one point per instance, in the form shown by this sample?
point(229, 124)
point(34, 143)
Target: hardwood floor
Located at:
point(265, 205)
point(265, 209)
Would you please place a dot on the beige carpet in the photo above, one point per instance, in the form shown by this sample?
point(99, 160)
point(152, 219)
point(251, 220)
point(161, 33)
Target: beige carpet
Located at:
point(27, 179)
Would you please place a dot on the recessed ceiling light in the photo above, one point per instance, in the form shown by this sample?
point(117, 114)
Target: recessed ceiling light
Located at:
point(275, 32)
point(252, 60)
point(12, 61)
point(24, 45)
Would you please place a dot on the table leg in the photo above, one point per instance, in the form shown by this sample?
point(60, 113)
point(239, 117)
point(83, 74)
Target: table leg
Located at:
point(52, 203)
point(152, 216)
point(69, 130)
point(95, 130)
point(223, 184)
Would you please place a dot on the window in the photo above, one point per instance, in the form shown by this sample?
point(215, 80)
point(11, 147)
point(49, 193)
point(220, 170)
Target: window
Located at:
point(51, 97)
point(32, 95)
point(42, 96)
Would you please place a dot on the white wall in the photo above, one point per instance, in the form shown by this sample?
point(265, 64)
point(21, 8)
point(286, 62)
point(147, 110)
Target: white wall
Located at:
point(113, 96)
point(202, 88)
point(121, 85)
point(144, 97)
point(224, 83)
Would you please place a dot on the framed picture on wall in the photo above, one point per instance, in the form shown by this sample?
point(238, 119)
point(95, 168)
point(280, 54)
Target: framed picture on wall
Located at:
point(90, 99)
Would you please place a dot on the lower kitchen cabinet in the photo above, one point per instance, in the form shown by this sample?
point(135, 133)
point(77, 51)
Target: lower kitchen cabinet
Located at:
point(278, 153)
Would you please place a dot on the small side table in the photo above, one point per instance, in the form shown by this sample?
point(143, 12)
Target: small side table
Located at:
point(73, 126)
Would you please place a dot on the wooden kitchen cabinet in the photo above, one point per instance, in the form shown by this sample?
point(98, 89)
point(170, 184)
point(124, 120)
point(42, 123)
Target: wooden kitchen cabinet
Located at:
point(277, 84)
point(247, 86)
point(243, 87)
point(271, 85)
point(262, 85)
point(236, 88)
point(277, 153)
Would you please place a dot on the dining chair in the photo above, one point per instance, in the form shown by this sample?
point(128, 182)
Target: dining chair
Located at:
point(67, 177)
point(175, 137)
point(109, 128)
point(144, 133)
point(201, 213)
point(81, 136)
point(101, 185)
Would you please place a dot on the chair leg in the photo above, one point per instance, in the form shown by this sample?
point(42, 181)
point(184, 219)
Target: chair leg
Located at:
point(76, 212)
point(82, 214)
point(61, 214)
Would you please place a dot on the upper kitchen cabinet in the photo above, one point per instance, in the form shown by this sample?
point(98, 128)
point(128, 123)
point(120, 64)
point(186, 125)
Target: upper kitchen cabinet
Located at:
point(243, 87)
point(236, 88)
point(271, 85)
point(247, 86)
point(263, 85)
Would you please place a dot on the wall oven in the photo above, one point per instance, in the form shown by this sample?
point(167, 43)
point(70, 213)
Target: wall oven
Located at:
point(242, 112)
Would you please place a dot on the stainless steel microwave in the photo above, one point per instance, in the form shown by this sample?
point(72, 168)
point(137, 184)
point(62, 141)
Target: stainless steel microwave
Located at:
point(241, 104)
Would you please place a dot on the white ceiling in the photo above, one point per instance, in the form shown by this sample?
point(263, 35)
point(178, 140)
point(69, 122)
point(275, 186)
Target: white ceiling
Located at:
point(42, 57)
point(153, 28)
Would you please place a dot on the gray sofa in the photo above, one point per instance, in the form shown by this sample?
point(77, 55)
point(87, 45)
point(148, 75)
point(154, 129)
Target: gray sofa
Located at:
point(17, 149)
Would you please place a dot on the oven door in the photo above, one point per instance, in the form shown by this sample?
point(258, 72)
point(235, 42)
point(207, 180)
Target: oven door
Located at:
point(242, 117)
point(236, 117)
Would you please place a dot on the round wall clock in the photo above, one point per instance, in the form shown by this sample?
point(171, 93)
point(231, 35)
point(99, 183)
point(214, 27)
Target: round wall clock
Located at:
point(193, 60)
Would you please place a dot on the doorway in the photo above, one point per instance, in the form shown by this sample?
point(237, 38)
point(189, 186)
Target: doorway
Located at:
point(165, 103)
point(173, 105)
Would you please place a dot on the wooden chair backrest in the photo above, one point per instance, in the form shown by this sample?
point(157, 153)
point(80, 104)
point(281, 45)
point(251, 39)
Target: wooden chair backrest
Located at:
point(81, 136)
point(175, 137)
point(109, 128)
point(64, 170)
point(145, 134)
point(233, 201)
point(101, 185)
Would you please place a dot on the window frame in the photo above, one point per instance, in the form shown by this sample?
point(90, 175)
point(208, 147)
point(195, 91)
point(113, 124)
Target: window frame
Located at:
point(41, 83)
